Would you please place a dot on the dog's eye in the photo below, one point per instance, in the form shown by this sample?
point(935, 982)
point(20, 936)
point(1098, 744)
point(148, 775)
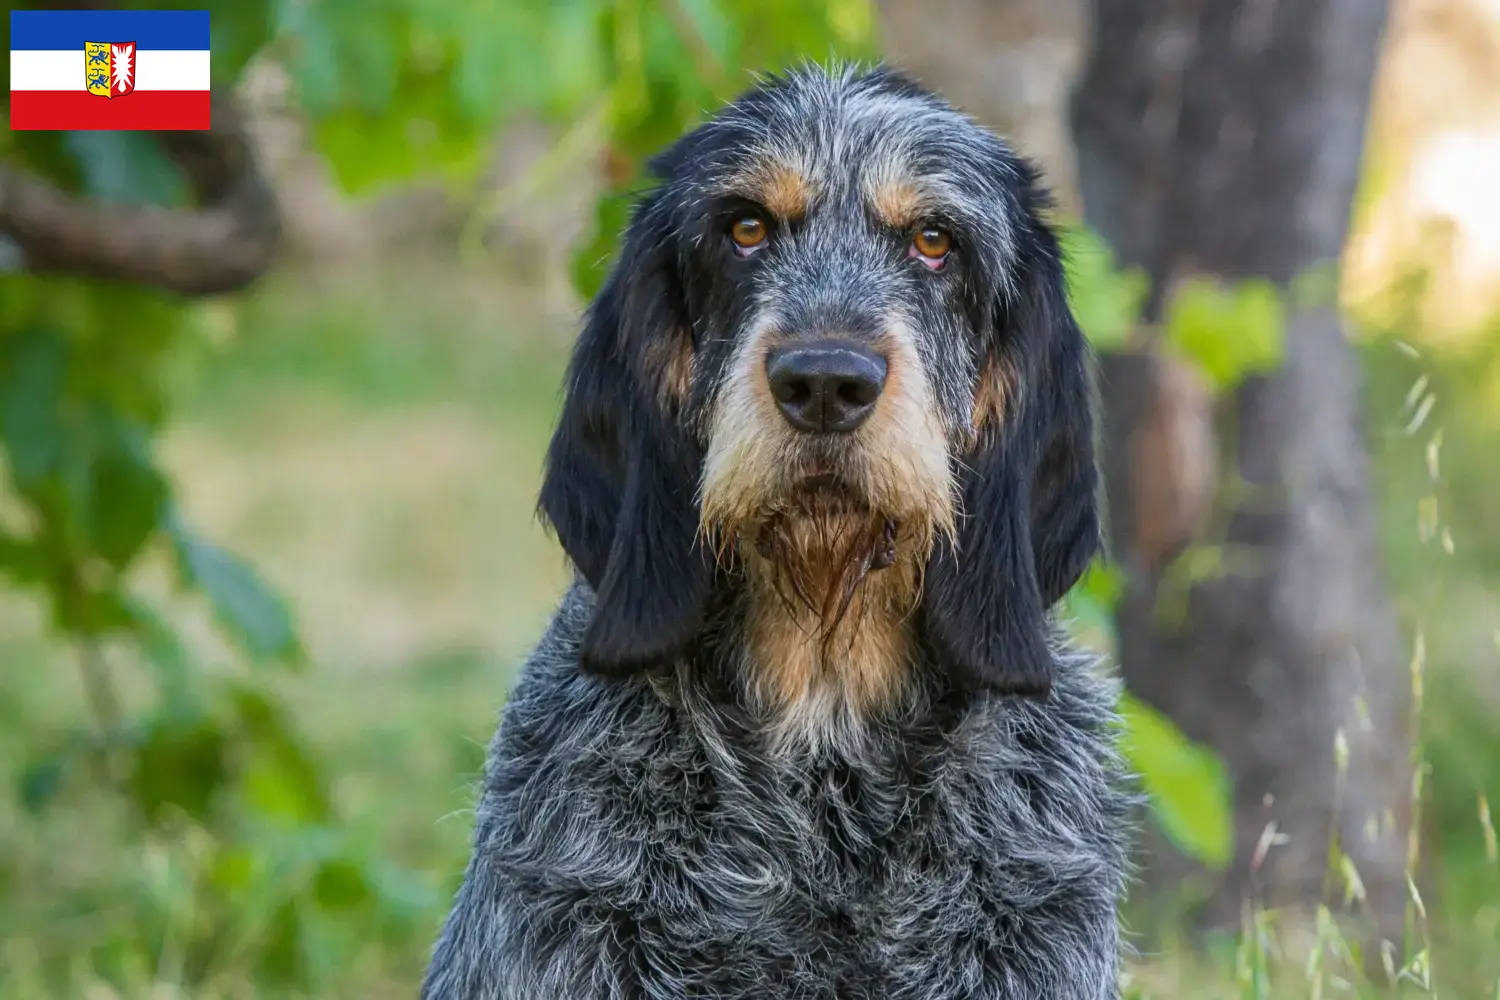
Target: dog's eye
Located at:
point(748, 233)
point(931, 246)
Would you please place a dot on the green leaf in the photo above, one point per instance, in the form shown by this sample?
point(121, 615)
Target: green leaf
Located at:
point(371, 48)
point(21, 559)
point(1106, 301)
point(851, 23)
point(318, 50)
point(573, 41)
point(82, 609)
point(42, 780)
point(31, 397)
point(284, 958)
point(1090, 605)
point(481, 56)
point(241, 601)
point(1187, 785)
point(131, 491)
point(1227, 332)
point(281, 781)
point(340, 885)
point(423, 133)
point(124, 341)
point(233, 869)
point(1102, 583)
point(312, 57)
point(46, 154)
point(238, 29)
point(182, 763)
point(508, 55)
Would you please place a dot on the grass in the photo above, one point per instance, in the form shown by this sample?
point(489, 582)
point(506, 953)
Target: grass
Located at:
point(375, 451)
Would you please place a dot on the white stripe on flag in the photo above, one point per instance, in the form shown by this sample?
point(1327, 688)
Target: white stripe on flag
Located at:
point(156, 69)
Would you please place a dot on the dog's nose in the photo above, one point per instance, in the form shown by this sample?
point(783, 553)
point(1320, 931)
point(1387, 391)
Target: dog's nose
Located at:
point(825, 387)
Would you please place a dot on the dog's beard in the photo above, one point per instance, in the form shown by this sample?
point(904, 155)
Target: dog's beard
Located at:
point(815, 548)
point(819, 550)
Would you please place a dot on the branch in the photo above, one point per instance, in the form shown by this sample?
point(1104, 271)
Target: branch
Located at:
point(223, 245)
point(99, 686)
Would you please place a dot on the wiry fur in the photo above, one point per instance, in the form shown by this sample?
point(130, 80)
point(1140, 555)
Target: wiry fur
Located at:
point(637, 840)
point(804, 729)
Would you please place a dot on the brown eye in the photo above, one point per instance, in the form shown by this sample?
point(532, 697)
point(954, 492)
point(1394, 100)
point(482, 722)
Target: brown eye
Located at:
point(932, 243)
point(748, 233)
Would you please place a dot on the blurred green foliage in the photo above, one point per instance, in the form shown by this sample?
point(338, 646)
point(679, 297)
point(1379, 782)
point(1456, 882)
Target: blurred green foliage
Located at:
point(1227, 333)
point(1186, 784)
point(1107, 300)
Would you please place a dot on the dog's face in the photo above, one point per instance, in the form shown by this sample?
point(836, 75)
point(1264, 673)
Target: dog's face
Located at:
point(837, 340)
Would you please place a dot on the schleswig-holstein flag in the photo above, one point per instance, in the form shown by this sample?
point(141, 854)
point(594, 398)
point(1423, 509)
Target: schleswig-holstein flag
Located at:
point(109, 69)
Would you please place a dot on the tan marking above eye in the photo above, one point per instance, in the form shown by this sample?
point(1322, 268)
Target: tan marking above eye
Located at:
point(749, 232)
point(784, 191)
point(897, 203)
point(932, 242)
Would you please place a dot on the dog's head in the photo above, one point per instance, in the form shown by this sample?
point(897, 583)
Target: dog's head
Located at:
point(837, 336)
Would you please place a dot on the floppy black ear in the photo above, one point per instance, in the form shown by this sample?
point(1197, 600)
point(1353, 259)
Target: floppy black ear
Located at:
point(1030, 521)
point(621, 471)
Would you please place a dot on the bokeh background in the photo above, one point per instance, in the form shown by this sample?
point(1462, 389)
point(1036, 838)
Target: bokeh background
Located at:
point(273, 402)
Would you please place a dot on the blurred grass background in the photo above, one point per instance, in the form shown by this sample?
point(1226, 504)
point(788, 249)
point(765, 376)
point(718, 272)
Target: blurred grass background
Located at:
point(370, 437)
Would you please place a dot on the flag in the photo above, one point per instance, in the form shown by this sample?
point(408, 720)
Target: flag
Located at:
point(109, 69)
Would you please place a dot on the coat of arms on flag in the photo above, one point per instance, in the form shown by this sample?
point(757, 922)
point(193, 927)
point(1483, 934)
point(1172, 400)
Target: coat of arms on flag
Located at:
point(109, 68)
point(67, 67)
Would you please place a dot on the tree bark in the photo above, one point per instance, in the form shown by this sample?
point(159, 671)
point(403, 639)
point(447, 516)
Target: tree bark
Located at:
point(1223, 138)
point(1011, 65)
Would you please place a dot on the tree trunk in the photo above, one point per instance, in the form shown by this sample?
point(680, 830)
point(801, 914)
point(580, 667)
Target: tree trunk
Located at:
point(1223, 138)
point(1010, 64)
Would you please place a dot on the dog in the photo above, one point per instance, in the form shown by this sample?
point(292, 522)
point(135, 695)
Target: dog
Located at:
point(805, 727)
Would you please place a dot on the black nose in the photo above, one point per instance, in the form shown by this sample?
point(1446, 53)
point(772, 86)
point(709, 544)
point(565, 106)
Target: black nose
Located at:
point(825, 387)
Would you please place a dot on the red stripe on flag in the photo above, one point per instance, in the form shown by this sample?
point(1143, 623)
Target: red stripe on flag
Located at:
point(78, 109)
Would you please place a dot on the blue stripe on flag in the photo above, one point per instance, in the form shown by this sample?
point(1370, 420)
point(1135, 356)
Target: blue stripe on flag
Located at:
point(55, 30)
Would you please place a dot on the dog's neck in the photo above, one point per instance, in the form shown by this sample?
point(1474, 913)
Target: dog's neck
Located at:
point(830, 597)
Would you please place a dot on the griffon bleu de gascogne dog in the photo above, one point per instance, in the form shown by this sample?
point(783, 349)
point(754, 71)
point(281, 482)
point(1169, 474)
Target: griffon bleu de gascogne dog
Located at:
point(804, 727)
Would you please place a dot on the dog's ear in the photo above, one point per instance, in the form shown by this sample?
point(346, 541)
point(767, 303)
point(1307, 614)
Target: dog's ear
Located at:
point(1030, 518)
point(622, 470)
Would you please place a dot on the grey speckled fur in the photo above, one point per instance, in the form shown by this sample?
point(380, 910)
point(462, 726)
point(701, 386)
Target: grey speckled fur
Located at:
point(632, 843)
point(642, 834)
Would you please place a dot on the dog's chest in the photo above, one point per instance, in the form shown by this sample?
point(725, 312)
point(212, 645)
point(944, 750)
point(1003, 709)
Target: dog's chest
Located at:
point(635, 846)
point(736, 875)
